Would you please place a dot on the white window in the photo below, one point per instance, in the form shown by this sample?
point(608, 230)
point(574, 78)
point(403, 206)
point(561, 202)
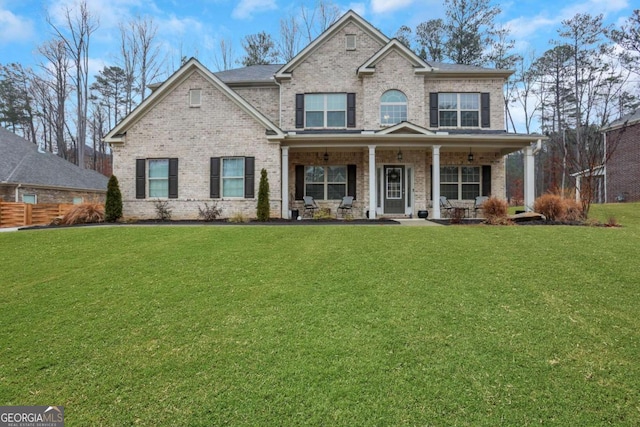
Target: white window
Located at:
point(158, 178)
point(351, 41)
point(325, 110)
point(460, 182)
point(325, 182)
point(459, 109)
point(393, 107)
point(195, 97)
point(29, 198)
point(233, 177)
point(78, 200)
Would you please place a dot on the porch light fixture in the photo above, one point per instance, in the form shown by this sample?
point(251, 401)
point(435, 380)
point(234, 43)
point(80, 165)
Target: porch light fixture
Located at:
point(470, 156)
point(399, 156)
point(326, 156)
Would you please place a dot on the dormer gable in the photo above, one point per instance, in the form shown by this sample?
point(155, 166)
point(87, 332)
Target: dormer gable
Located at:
point(350, 17)
point(420, 66)
point(404, 128)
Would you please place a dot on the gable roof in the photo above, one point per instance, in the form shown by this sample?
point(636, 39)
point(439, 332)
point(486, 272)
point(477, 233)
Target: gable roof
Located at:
point(347, 18)
point(405, 128)
point(117, 134)
point(22, 163)
point(394, 45)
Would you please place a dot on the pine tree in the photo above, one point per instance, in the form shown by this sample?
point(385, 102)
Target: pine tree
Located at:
point(113, 203)
point(263, 197)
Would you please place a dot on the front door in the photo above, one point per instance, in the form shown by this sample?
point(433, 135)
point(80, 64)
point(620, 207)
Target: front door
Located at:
point(394, 197)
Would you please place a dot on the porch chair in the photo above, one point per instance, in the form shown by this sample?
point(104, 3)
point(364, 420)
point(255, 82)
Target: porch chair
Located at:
point(309, 206)
point(345, 205)
point(477, 204)
point(445, 207)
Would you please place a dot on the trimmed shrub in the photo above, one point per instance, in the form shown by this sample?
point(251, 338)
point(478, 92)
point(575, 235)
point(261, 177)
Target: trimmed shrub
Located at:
point(84, 213)
point(495, 211)
point(263, 197)
point(551, 206)
point(322, 213)
point(113, 202)
point(238, 217)
point(573, 210)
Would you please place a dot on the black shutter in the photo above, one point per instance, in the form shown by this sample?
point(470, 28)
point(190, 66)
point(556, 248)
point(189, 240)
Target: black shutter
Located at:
point(141, 178)
point(214, 183)
point(486, 180)
point(249, 177)
point(351, 180)
point(485, 110)
point(300, 110)
point(351, 110)
point(299, 182)
point(433, 109)
point(173, 178)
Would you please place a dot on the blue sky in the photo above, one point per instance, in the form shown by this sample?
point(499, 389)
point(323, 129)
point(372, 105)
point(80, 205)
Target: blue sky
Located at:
point(194, 28)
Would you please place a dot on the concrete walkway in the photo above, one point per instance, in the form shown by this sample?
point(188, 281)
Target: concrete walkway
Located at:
point(417, 222)
point(9, 229)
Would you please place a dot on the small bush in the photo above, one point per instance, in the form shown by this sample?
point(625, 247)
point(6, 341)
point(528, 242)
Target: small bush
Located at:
point(495, 211)
point(551, 206)
point(209, 213)
point(163, 213)
point(322, 213)
point(456, 216)
point(573, 211)
point(113, 202)
point(84, 213)
point(238, 217)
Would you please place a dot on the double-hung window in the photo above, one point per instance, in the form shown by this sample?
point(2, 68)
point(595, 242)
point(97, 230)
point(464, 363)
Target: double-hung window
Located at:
point(325, 110)
point(159, 178)
point(326, 182)
point(233, 177)
point(459, 109)
point(393, 107)
point(460, 182)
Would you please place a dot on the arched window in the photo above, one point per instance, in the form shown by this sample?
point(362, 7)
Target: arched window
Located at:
point(393, 107)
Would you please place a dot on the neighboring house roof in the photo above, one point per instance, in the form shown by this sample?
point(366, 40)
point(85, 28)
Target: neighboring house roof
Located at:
point(629, 119)
point(22, 163)
point(118, 133)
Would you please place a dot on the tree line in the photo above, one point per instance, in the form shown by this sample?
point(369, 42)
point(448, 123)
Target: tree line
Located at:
point(586, 79)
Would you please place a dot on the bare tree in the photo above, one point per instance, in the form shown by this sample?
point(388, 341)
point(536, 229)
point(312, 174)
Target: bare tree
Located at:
point(404, 35)
point(289, 43)
point(430, 38)
point(317, 19)
point(149, 61)
point(76, 35)
point(56, 69)
point(628, 37)
point(224, 59)
point(259, 49)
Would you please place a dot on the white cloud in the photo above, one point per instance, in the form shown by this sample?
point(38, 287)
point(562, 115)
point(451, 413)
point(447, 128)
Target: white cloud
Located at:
point(359, 8)
point(523, 27)
point(14, 28)
point(247, 8)
point(385, 6)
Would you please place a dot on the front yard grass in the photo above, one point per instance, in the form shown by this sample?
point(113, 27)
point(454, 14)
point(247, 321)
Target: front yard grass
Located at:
point(323, 325)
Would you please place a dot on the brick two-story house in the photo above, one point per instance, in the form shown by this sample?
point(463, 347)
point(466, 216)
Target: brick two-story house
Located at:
point(622, 170)
point(354, 113)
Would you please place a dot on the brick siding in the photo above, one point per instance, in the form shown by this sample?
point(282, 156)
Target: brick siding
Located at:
point(623, 167)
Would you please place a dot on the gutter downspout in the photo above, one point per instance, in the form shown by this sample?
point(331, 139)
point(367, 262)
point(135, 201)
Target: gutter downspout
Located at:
point(17, 192)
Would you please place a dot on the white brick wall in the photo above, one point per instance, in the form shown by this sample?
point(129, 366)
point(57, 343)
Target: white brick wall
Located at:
point(194, 135)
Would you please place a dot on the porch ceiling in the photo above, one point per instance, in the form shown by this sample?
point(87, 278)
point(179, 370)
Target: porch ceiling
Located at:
point(504, 143)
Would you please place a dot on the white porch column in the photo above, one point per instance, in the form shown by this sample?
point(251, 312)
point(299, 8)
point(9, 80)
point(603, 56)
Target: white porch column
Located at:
point(435, 181)
point(372, 182)
point(529, 179)
point(284, 179)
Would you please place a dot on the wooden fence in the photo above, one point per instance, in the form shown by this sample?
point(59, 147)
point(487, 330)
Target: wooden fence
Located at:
point(21, 214)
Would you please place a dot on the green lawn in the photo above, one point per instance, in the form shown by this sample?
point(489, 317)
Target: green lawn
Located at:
point(325, 325)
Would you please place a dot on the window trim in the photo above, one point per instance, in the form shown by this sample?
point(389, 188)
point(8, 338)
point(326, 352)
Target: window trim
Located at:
point(150, 179)
point(353, 45)
point(326, 182)
point(460, 182)
point(325, 110)
point(459, 110)
point(35, 198)
point(393, 103)
point(238, 177)
point(192, 92)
